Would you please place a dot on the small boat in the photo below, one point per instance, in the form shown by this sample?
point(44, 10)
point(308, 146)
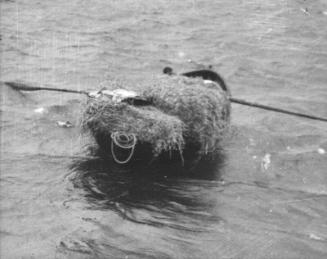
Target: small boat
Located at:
point(172, 117)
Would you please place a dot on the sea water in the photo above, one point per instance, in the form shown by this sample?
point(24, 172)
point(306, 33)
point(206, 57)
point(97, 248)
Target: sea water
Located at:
point(264, 197)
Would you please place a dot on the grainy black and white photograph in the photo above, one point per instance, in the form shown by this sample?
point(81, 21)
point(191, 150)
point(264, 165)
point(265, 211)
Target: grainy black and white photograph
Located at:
point(138, 129)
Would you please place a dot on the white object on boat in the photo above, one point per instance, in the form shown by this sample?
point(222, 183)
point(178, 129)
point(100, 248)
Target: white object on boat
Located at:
point(206, 81)
point(64, 124)
point(94, 94)
point(118, 95)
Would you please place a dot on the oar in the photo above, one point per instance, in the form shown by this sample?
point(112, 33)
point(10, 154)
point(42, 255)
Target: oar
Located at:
point(136, 101)
point(24, 87)
point(213, 76)
point(270, 108)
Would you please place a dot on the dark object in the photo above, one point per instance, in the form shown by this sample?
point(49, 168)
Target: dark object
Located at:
point(137, 101)
point(168, 71)
point(186, 120)
point(204, 74)
point(269, 108)
point(207, 75)
point(210, 75)
point(24, 87)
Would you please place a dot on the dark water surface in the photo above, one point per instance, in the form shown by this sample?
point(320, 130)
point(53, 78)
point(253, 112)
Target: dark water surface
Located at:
point(266, 197)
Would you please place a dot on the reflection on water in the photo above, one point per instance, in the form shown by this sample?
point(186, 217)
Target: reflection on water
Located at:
point(168, 189)
point(162, 208)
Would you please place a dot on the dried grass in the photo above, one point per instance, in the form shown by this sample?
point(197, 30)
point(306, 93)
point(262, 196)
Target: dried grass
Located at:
point(184, 111)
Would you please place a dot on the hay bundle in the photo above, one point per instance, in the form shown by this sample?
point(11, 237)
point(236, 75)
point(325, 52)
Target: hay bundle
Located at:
point(150, 125)
point(203, 107)
point(182, 111)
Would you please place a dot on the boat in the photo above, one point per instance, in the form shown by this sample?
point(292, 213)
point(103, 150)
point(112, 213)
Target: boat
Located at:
point(172, 117)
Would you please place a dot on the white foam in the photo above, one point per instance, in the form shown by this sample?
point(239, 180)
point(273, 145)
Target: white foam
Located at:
point(39, 110)
point(265, 162)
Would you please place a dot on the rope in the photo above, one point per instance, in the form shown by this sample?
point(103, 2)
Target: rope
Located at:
point(123, 141)
point(270, 108)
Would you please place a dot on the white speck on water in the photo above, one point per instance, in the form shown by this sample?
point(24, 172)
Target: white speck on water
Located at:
point(181, 54)
point(265, 163)
point(321, 151)
point(305, 10)
point(288, 148)
point(315, 237)
point(269, 30)
point(254, 157)
point(324, 12)
point(39, 110)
